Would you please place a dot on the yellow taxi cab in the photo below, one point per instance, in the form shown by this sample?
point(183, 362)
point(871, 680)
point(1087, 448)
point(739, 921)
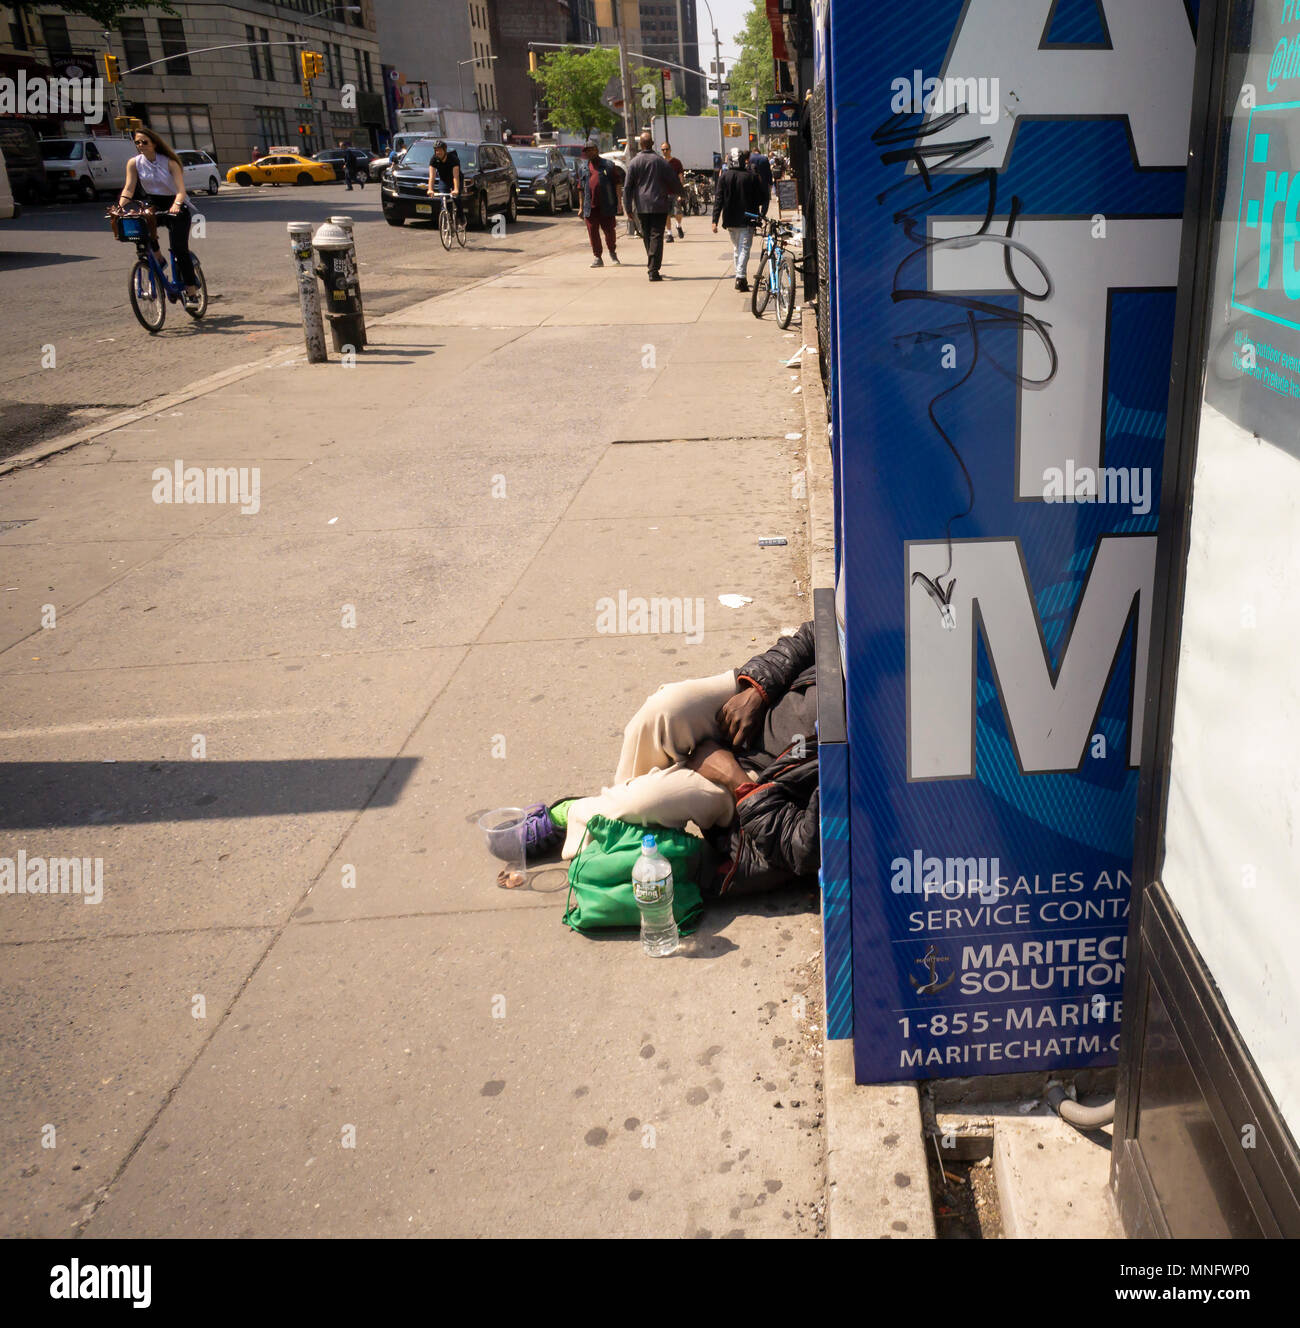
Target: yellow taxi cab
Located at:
point(281, 168)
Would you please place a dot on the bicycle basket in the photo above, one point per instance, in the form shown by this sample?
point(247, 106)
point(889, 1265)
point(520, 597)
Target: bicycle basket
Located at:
point(133, 228)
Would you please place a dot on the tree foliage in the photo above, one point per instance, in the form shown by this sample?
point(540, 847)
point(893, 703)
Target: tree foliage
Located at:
point(572, 84)
point(754, 67)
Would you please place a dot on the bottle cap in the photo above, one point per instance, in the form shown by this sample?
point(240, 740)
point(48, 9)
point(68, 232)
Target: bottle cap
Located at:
point(649, 841)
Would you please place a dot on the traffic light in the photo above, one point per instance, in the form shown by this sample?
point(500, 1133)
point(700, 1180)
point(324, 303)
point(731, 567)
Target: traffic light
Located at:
point(313, 65)
point(532, 62)
point(110, 68)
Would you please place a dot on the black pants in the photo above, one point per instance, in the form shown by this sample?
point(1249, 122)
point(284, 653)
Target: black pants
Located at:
point(652, 235)
point(178, 229)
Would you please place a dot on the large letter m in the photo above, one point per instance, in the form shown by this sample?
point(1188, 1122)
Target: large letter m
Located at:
point(1050, 713)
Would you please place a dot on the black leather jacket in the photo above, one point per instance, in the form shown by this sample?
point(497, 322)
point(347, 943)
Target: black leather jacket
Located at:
point(775, 837)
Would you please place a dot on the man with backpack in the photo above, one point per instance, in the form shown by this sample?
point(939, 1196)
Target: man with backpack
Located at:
point(740, 193)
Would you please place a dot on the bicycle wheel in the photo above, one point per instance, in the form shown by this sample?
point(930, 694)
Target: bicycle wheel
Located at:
point(148, 298)
point(462, 228)
point(762, 287)
point(785, 289)
point(444, 227)
point(198, 307)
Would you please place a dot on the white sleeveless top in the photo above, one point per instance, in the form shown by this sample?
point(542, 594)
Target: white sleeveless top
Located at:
point(155, 176)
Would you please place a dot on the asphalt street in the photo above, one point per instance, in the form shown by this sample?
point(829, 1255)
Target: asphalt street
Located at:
point(63, 289)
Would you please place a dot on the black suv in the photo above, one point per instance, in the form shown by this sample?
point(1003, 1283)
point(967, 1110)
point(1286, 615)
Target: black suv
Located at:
point(487, 175)
point(545, 179)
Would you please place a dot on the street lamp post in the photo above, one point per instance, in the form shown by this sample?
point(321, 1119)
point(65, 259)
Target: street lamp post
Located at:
point(717, 69)
point(460, 65)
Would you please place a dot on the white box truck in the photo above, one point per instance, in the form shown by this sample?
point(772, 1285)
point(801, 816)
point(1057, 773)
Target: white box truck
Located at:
point(87, 166)
point(694, 139)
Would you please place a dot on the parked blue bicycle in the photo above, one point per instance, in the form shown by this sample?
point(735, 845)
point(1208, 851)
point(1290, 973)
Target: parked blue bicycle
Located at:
point(151, 289)
point(776, 269)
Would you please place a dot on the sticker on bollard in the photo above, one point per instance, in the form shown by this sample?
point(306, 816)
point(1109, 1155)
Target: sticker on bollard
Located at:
point(337, 269)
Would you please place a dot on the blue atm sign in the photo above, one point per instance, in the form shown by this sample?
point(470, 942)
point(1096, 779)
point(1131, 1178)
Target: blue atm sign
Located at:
point(1007, 254)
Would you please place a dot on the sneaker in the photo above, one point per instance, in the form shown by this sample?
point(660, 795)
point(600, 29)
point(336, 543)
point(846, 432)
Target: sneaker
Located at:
point(681, 232)
point(668, 239)
point(598, 262)
point(613, 258)
point(654, 276)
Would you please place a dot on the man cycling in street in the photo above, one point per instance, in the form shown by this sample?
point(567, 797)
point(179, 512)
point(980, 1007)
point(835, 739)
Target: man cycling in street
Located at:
point(445, 176)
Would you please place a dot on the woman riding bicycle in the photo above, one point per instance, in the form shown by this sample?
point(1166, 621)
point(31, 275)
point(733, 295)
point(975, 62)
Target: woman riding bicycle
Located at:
point(156, 173)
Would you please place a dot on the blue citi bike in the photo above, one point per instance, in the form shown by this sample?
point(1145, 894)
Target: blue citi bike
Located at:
point(776, 270)
point(151, 289)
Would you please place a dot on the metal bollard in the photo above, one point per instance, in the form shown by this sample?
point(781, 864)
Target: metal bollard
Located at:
point(345, 225)
point(313, 330)
point(337, 268)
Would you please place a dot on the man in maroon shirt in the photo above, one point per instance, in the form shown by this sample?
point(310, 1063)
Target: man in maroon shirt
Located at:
point(600, 192)
point(679, 209)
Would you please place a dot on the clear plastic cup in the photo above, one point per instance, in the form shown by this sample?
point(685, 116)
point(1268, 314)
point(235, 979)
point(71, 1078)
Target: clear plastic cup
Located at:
point(503, 829)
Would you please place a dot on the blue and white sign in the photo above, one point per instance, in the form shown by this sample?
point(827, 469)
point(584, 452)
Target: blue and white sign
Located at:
point(1007, 251)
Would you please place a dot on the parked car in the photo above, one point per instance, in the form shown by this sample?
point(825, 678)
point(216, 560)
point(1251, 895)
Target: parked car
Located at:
point(199, 170)
point(86, 166)
point(8, 208)
point(544, 179)
point(21, 149)
point(281, 168)
point(378, 165)
point(486, 170)
point(572, 154)
point(337, 158)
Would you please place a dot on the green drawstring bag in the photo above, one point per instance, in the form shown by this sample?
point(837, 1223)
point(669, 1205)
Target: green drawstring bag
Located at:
point(600, 876)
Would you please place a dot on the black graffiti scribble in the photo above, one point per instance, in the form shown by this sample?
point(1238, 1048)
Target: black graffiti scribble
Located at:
point(925, 158)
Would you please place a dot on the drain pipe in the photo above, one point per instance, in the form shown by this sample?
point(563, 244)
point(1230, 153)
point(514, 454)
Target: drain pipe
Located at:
point(1082, 1118)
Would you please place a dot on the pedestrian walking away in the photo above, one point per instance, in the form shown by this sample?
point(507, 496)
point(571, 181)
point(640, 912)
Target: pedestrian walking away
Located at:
point(599, 202)
point(761, 167)
point(679, 203)
point(739, 195)
point(651, 186)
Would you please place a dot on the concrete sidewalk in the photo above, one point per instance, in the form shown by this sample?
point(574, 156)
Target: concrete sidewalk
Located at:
point(303, 1006)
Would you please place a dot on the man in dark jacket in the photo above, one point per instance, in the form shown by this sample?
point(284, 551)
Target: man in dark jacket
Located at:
point(736, 754)
point(599, 202)
point(650, 187)
point(762, 167)
point(739, 193)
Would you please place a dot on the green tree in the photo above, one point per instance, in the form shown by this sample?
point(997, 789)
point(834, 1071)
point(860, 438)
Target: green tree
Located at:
point(678, 107)
point(754, 67)
point(572, 84)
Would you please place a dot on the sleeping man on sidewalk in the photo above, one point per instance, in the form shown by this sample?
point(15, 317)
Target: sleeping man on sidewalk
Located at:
point(737, 755)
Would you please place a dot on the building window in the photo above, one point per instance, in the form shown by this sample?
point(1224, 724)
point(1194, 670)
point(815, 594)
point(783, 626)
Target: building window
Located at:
point(272, 126)
point(135, 43)
point(254, 52)
point(182, 126)
point(367, 73)
point(268, 63)
point(54, 33)
point(172, 31)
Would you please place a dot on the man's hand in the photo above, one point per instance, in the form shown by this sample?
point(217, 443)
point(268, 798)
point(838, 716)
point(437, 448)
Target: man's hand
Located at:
point(715, 228)
point(741, 714)
point(718, 765)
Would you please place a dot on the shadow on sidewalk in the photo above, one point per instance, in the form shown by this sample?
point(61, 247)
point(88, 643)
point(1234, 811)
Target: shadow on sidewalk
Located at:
point(42, 795)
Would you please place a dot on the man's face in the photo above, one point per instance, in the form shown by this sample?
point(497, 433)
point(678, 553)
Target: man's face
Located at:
point(666, 150)
point(440, 153)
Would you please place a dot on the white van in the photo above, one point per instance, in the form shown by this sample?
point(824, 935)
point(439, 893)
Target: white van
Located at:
point(8, 208)
point(86, 166)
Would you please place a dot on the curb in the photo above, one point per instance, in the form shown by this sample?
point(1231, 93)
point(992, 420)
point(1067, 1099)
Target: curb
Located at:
point(877, 1177)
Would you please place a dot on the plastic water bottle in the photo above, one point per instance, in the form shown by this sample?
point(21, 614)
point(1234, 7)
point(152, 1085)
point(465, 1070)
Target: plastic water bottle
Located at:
point(652, 884)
